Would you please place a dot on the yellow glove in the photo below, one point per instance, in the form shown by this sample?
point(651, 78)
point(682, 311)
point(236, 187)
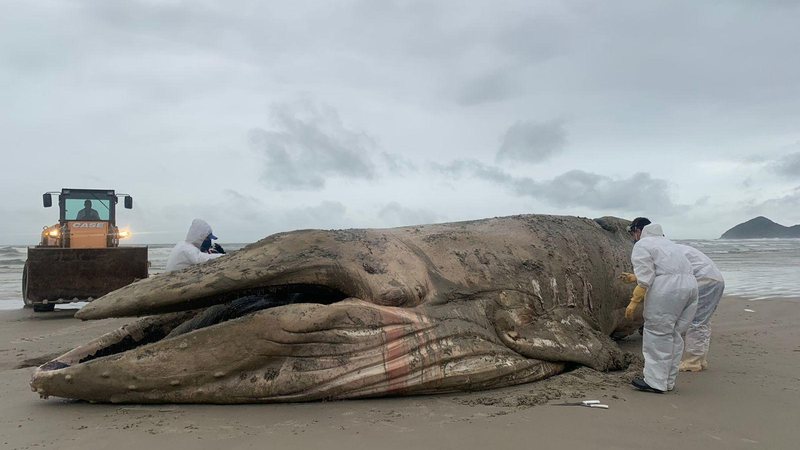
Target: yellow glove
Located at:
point(627, 277)
point(638, 296)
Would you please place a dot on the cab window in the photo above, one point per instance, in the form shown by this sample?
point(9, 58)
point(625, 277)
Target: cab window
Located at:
point(75, 209)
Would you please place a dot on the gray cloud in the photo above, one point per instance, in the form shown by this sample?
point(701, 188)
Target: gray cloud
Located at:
point(702, 201)
point(532, 142)
point(577, 188)
point(788, 165)
point(394, 214)
point(534, 38)
point(463, 167)
point(786, 206)
point(495, 86)
point(310, 144)
point(244, 207)
point(396, 164)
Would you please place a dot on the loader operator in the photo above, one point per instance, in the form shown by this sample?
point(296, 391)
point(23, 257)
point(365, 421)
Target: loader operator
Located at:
point(88, 213)
point(188, 252)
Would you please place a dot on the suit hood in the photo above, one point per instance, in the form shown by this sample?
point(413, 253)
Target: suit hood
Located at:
point(652, 230)
point(198, 232)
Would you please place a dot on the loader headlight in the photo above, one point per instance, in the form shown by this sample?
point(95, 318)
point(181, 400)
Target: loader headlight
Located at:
point(123, 234)
point(54, 233)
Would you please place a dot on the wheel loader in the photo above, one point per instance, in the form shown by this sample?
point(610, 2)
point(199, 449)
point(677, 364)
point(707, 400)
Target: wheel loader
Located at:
point(79, 258)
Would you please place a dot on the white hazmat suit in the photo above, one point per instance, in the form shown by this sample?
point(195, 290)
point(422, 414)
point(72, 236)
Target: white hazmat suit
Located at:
point(710, 286)
point(669, 305)
point(187, 253)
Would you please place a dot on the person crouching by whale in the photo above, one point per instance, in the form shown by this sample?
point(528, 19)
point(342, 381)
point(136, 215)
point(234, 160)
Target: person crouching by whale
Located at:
point(669, 290)
point(188, 252)
point(710, 286)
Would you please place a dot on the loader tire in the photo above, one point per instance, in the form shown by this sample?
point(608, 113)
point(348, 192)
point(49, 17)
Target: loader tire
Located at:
point(25, 300)
point(40, 307)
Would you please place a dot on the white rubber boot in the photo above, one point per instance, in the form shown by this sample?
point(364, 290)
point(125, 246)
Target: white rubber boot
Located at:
point(692, 363)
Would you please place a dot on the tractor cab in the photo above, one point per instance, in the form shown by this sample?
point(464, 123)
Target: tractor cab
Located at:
point(87, 219)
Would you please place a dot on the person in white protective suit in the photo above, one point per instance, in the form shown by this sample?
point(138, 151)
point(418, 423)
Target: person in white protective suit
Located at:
point(187, 252)
point(710, 286)
point(668, 288)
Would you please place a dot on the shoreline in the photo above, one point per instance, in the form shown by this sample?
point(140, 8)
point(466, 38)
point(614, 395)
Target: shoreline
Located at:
point(748, 398)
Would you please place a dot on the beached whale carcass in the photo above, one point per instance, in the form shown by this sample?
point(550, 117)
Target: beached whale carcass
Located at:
point(316, 314)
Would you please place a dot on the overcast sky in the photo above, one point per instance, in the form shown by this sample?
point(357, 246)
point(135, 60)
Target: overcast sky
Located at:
point(263, 117)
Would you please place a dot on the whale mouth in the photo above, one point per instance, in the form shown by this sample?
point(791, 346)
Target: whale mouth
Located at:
point(286, 343)
point(173, 322)
point(270, 296)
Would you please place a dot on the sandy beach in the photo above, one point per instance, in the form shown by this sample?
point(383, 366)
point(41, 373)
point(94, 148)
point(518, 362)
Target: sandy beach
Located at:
point(749, 398)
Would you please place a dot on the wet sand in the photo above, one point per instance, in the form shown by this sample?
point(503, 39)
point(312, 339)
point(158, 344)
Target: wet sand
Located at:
point(749, 398)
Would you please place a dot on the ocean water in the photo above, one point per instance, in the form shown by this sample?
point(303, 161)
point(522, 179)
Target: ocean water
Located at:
point(754, 268)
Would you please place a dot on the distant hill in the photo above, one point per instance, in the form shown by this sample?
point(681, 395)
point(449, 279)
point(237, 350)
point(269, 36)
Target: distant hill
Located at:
point(760, 228)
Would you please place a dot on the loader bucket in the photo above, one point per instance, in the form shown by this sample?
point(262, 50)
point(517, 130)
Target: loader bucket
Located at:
point(62, 275)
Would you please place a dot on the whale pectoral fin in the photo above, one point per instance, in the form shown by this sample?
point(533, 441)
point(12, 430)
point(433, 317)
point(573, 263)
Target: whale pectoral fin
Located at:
point(561, 335)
